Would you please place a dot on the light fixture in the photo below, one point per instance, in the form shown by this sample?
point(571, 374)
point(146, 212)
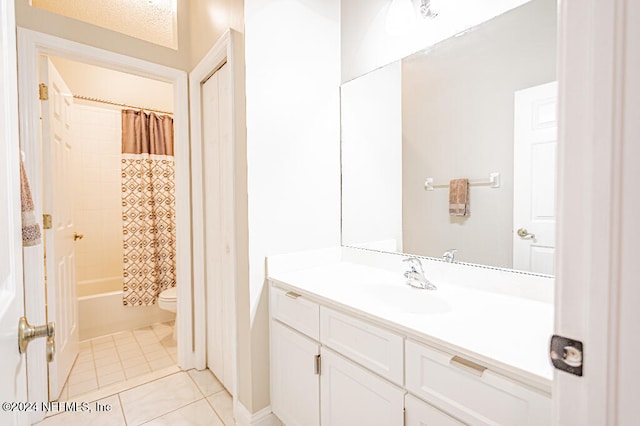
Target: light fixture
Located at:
point(426, 11)
point(400, 17)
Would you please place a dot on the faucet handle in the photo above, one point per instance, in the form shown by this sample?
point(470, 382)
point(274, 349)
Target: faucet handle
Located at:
point(415, 264)
point(449, 255)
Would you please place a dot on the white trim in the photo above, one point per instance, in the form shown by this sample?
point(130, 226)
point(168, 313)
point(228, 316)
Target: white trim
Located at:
point(31, 44)
point(264, 417)
point(218, 55)
point(596, 189)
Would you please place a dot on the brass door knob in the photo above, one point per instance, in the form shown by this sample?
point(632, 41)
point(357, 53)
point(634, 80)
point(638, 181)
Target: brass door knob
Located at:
point(28, 332)
point(77, 236)
point(525, 235)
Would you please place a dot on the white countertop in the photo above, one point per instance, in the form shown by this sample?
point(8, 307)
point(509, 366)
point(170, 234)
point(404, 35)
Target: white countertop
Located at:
point(507, 333)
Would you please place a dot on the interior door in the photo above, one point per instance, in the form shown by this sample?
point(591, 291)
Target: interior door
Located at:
point(60, 261)
point(13, 377)
point(534, 185)
point(219, 232)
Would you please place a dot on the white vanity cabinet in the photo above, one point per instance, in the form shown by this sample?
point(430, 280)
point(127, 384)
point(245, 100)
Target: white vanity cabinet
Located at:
point(331, 390)
point(331, 367)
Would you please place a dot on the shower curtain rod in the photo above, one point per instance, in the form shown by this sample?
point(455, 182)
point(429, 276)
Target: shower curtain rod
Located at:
point(102, 101)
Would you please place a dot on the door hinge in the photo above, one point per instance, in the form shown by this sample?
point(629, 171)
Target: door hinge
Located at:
point(44, 92)
point(46, 221)
point(317, 364)
point(567, 354)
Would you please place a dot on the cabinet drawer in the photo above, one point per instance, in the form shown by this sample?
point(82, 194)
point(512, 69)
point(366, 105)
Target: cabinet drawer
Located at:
point(471, 393)
point(372, 347)
point(295, 311)
point(419, 413)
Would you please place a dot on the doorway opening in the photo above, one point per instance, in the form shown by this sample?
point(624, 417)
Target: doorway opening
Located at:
point(84, 182)
point(34, 48)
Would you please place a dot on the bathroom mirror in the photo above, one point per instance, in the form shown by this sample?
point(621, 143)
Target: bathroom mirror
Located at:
point(479, 105)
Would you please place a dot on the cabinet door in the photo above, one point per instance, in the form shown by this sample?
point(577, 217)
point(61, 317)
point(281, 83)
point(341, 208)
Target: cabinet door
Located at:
point(419, 413)
point(352, 395)
point(295, 384)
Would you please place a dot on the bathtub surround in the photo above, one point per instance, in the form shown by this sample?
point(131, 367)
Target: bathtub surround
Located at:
point(103, 313)
point(97, 205)
point(148, 207)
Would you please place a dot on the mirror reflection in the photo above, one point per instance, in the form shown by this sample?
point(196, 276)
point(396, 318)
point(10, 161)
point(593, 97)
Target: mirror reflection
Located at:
point(479, 106)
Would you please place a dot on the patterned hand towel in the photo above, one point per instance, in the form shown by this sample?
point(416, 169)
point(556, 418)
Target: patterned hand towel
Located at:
point(459, 197)
point(30, 228)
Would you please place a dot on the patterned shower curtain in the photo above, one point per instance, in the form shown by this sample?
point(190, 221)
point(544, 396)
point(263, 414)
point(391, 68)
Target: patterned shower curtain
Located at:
point(148, 206)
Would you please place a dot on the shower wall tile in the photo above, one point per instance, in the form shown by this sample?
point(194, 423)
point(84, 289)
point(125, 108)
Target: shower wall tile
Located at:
point(97, 205)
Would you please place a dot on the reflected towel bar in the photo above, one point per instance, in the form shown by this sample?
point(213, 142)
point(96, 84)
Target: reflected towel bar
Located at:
point(493, 182)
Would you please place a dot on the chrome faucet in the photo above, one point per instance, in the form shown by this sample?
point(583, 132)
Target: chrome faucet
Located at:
point(415, 275)
point(450, 255)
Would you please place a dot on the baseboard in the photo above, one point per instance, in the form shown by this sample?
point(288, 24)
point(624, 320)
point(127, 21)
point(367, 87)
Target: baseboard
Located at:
point(264, 417)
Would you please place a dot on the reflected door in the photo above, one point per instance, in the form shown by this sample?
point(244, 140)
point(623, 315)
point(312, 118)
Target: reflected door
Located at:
point(534, 186)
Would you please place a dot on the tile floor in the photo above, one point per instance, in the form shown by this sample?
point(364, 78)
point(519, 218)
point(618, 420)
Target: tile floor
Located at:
point(107, 360)
point(182, 398)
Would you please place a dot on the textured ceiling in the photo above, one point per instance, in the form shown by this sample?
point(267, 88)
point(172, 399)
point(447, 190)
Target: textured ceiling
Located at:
point(151, 20)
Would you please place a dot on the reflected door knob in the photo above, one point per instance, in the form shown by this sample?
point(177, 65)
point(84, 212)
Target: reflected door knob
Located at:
point(525, 235)
point(77, 236)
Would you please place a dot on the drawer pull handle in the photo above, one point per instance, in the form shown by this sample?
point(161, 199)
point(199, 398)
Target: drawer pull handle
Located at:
point(292, 295)
point(474, 368)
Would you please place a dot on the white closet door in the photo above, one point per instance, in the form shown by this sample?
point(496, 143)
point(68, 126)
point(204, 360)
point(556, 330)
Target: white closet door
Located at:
point(219, 232)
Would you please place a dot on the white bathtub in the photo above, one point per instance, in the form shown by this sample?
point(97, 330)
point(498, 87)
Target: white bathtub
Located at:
point(103, 313)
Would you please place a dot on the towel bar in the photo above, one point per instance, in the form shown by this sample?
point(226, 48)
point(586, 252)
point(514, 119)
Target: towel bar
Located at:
point(493, 182)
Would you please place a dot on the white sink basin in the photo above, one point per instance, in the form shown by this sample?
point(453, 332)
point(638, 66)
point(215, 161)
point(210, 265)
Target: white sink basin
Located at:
point(407, 299)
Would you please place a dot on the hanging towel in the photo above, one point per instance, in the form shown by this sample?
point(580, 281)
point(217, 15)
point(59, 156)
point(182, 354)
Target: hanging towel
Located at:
point(459, 197)
point(30, 228)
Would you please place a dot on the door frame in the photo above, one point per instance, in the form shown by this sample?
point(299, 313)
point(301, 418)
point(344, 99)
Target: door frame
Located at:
point(31, 44)
point(596, 277)
point(225, 51)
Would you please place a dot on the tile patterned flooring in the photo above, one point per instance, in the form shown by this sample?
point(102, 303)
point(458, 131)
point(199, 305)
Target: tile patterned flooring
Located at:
point(115, 358)
point(182, 398)
point(135, 374)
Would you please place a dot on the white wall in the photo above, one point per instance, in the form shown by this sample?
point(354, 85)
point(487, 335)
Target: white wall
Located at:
point(366, 45)
point(371, 109)
point(293, 143)
point(115, 86)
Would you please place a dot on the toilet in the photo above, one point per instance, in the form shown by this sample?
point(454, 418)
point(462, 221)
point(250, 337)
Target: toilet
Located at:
point(167, 302)
point(167, 299)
